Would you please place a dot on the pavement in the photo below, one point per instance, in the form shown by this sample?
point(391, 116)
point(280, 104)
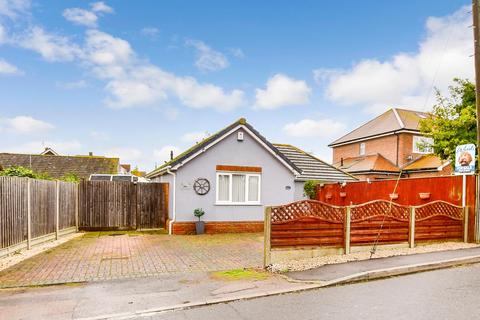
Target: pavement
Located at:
point(126, 299)
point(100, 256)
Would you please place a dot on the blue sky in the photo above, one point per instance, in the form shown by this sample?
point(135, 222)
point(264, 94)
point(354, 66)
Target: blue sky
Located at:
point(136, 79)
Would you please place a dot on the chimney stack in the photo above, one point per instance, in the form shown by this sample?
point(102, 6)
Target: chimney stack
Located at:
point(171, 154)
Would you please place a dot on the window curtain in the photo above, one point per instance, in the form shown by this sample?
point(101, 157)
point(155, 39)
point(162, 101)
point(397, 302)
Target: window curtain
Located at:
point(253, 188)
point(223, 187)
point(238, 188)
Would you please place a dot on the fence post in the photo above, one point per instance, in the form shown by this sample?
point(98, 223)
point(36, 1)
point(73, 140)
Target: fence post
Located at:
point(411, 224)
point(29, 214)
point(465, 224)
point(348, 215)
point(57, 208)
point(267, 234)
point(77, 194)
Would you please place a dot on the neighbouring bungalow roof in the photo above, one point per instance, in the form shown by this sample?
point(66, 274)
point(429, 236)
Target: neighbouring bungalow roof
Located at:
point(426, 162)
point(58, 166)
point(388, 122)
point(312, 167)
point(368, 163)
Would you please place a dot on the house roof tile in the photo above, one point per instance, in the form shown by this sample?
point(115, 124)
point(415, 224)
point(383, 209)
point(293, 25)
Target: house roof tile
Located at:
point(58, 166)
point(368, 163)
point(388, 122)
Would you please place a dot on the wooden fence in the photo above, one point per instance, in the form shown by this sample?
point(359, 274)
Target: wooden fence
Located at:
point(410, 191)
point(310, 228)
point(106, 205)
point(33, 211)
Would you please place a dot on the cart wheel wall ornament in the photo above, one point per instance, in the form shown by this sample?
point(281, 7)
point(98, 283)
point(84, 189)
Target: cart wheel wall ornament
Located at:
point(201, 186)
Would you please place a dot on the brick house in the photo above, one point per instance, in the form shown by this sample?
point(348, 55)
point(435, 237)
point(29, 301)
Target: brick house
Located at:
point(388, 145)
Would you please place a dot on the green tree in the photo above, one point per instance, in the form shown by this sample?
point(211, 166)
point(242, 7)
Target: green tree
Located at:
point(453, 119)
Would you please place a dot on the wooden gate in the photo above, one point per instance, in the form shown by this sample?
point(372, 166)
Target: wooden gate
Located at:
point(107, 205)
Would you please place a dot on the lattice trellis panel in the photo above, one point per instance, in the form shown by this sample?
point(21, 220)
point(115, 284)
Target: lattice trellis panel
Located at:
point(438, 208)
point(379, 208)
point(307, 208)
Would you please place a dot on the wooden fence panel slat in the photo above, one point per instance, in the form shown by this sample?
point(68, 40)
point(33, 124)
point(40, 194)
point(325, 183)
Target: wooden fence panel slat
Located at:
point(106, 205)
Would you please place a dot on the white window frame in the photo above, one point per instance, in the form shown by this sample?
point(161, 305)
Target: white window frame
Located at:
point(362, 149)
point(417, 139)
point(230, 189)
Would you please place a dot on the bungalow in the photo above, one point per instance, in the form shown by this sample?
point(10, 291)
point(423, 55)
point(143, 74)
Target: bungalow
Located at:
point(232, 174)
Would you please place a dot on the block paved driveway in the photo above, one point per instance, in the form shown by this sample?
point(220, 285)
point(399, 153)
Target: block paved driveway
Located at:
point(105, 256)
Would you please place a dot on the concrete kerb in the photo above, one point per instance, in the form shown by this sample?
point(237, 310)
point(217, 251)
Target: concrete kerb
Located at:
point(308, 285)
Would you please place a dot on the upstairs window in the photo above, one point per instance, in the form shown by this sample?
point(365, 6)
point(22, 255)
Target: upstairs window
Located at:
point(362, 148)
point(423, 145)
point(238, 188)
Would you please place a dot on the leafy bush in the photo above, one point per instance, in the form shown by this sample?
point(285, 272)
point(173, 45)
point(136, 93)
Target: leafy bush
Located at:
point(198, 213)
point(19, 172)
point(310, 188)
point(70, 177)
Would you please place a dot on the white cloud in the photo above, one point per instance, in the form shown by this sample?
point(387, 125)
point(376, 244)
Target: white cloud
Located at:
point(163, 154)
point(282, 91)
point(13, 8)
point(100, 6)
point(7, 68)
point(132, 82)
point(207, 58)
point(406, 78)
point(24, 125)
point(50, 46)
point(81, 17)
point(126, 155)
point(150, 32)
point(237, 53)
point(129, 81)
point(308, 128)
point(74, 85)
point(194, 137)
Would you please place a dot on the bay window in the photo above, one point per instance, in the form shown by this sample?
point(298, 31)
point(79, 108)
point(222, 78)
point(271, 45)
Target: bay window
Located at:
point(238, 188)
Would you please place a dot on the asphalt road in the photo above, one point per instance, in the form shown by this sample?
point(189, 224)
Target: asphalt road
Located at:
point(443, 294)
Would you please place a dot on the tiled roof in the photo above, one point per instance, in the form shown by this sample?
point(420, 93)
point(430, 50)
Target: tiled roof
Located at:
point(211, 139)
point(311, 167)
point(369, 163)
point(58, 166)
point(426, 162)
point(392, 120)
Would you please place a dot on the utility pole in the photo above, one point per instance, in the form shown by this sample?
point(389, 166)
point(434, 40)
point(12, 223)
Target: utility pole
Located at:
point(476, 37)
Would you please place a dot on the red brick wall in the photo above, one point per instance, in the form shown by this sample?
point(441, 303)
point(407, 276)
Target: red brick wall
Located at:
point(386, 146)
point(219, 227)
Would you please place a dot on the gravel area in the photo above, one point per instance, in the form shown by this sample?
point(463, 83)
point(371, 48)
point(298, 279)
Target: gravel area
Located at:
point(306, 264)
point(24, 254)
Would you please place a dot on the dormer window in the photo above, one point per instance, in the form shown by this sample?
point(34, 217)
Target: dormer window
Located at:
point(362, 148)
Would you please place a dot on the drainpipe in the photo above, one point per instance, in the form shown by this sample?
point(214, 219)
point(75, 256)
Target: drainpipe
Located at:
point(170, 224)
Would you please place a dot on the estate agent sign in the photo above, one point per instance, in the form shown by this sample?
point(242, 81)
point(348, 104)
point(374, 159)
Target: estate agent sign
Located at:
point(465, 159)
